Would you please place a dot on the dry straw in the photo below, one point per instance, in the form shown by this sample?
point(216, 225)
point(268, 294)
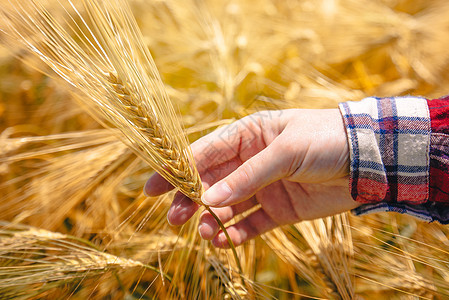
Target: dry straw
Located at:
point(40, 260)
point(326, 261)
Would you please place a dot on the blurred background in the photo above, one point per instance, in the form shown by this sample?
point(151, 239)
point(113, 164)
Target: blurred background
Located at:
point(75, 223)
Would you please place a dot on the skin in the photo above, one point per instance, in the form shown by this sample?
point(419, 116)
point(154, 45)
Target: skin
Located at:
point(292, 164)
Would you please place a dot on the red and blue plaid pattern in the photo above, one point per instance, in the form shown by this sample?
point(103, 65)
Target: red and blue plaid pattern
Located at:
point(390, 142)
point(390, 139)
point(439, 150)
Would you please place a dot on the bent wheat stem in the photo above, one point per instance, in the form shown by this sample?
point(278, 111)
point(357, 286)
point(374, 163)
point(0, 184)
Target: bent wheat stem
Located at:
point(104, 58)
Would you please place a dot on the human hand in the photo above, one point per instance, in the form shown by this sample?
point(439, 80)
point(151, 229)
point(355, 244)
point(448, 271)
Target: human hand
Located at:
point(292, 164)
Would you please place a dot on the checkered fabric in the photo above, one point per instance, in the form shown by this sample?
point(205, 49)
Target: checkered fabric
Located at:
point(390, 140)
point(439, 150)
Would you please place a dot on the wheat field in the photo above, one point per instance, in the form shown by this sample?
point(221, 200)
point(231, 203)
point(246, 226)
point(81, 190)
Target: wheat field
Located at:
point(74, 222)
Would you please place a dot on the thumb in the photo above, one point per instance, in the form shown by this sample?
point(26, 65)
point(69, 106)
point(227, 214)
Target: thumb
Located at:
point(264, 168)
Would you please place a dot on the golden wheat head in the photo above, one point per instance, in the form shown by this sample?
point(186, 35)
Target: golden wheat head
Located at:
point(113, 75)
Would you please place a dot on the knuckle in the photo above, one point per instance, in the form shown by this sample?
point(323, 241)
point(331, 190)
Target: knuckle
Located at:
point(247, 176)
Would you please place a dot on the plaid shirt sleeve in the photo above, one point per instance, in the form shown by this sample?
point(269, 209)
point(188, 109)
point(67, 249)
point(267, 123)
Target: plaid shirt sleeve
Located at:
point(399, 150)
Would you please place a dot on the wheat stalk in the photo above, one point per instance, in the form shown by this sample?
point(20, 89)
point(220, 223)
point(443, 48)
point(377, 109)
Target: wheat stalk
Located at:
point(394, 261)
point(220, 276)
point(326, 264)
point(115, 78)
point(38, 260)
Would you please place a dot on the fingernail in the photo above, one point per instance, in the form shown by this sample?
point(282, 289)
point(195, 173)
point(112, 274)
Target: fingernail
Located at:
point(199, 231)
point(220, 241)
point(145, 189)
point(168, 213)
point(217, 194)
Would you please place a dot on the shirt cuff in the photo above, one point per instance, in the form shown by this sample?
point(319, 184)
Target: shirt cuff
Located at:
point(439, 150)
point(389, 140)
point(429, 211)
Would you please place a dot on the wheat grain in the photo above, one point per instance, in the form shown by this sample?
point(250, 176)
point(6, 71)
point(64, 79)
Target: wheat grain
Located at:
point(219, 272)
point(62, 183)
point(116, 80)
point(306, 263)
point(329, 289)
point(40, 260)
point(326, 264)
point(179, 167)
point(114, 76)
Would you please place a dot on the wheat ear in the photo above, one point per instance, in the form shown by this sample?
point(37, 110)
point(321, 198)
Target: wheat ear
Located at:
point(41, 257)
point(187, 180)
point(115, 78)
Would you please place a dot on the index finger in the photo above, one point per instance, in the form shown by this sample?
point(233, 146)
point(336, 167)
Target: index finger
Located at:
point(156, 185)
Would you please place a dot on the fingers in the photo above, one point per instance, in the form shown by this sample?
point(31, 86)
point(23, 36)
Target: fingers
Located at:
point(214, 149)
point(218, 155)
point(274, 200)
point(254, 225)
point(181, 209)
point(209, 227)
point(156, 185)
point(267, 166)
